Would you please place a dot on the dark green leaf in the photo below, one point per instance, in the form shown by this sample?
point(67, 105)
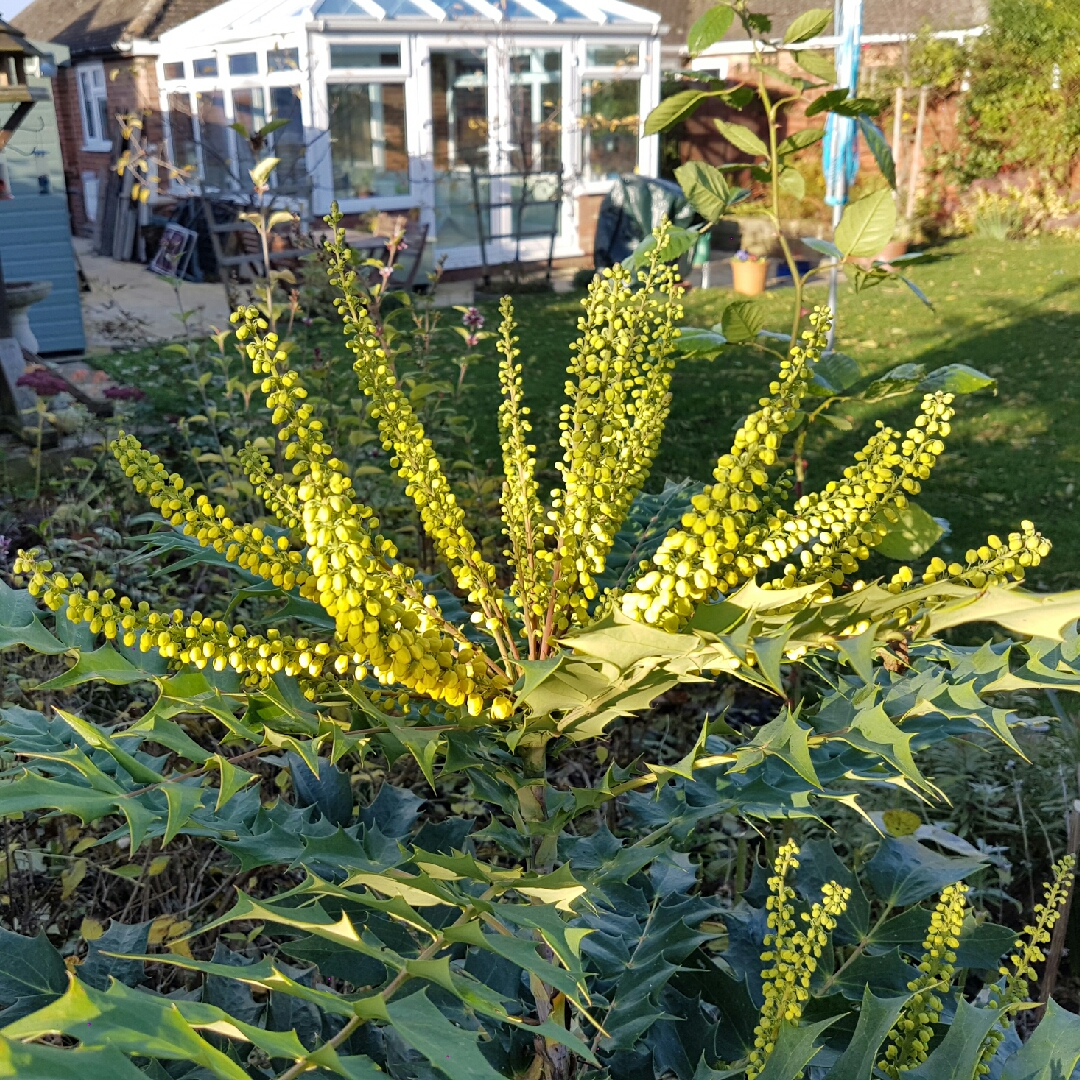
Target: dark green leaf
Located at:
point(903, 871)
point(823, 247)
point(32, 974)
point(875, 139)
point(829, 99)
point(857, 107)
point(104, 663)
point(834, 373)
point(885, 974)
point(701, 344)
point(900, 380)
point(820, 865)
point(99, 967)
point(876, 1018)
point(958, 1053)
point(794, 1050)
point(1052, 1051)
point(707, 189)
point(32, 1061)
point(450, 1049)
point(709, 29)
point(982, 945)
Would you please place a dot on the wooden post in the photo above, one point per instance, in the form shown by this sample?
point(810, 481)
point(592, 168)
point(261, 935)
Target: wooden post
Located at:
point(1061, 927)
point(916, 155)
point(897, 132)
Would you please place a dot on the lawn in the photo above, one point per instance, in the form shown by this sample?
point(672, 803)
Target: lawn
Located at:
point(1011, 309)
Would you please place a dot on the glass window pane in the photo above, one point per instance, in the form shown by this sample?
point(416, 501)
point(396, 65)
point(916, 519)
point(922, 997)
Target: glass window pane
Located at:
point(246, 63)
point(90, 131)
point(289, 140)
point(367, 139)
point(615, 56)
point(104, 119)
point(249, 109)
point(205, 68)
point(283, 60)
point(609, 127)
point(182, 132)
point(536, 110)
point(365, 56)
point(460, 129)
point(213, 135)
point(174, 70)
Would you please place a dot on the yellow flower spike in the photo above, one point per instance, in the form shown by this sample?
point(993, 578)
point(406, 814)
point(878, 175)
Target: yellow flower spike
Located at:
point(522, 511)
point(618, 402)
point(908, 1042)
point(836, 527)
point(276, 492)
point(412, 452)
point(715, 547)
point(792, 953)
point(208, 524)
point(1020, 971)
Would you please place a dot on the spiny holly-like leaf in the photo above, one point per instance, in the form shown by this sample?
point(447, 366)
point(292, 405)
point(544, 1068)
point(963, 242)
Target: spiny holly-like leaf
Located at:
point(449, 1048)
point(876, 1018)
point(903, 871)
point(1052, 1050)
point(32, 974)
point(105, 664)
point(958, 1053)
point(795, 1049)
point(19, 624)
point(33, 1061)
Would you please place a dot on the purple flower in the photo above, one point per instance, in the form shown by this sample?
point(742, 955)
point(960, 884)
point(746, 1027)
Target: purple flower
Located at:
point(43, 383)
point(742, 255)
point(473, 319)
point(124, 393)
point(5, 546)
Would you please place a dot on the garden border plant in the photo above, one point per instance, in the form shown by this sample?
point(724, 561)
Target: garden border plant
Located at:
point(566, 949)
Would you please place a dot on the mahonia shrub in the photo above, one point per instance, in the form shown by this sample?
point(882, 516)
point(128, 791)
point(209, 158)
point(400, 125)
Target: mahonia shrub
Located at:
point(389, 624)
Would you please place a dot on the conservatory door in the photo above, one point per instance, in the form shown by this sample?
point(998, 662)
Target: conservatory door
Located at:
point(459, 121)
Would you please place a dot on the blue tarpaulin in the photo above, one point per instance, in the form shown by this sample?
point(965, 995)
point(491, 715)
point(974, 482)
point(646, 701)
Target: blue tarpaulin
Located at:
point(841, 158)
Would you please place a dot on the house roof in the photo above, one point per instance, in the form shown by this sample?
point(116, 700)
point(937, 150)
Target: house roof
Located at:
point(237, 20)
point(97, 26)
point(879, 16)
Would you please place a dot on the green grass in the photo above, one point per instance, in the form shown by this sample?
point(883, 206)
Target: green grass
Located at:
point(1011, 309)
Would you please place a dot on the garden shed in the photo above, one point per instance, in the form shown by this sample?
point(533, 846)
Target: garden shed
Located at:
point(436, 106)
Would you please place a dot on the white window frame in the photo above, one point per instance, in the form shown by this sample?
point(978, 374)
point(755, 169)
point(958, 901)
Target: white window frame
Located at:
point(90, 105)
point(645, 74)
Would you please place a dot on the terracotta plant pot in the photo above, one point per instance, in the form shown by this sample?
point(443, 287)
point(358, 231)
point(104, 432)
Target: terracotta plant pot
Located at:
point(749, 277)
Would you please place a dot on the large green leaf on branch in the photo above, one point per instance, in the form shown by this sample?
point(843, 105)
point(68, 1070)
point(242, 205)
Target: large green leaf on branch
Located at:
point(673, 110)
point(807, 25)
point(707, 189)
point(867, 225)
point(742, 138)
point(913, 534)
point(709, 28)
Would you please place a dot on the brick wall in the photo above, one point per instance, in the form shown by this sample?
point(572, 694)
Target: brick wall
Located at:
point(131, 88)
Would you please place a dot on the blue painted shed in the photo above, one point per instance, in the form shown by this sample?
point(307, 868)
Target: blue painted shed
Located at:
point(35, 230)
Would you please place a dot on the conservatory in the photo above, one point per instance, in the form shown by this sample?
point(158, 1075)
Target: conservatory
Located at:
point(446, 107)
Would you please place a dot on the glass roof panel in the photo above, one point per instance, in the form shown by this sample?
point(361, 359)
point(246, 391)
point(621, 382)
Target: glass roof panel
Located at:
point(339, 7)
point(563, 10)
